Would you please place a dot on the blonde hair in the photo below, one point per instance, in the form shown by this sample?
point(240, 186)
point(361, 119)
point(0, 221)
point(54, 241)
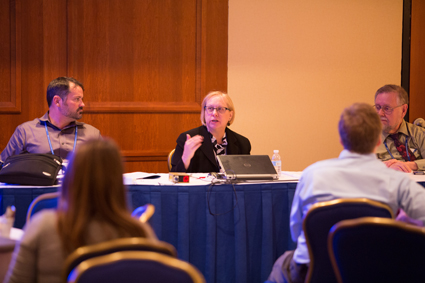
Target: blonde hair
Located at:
point(93, 189)
point(226, 99)
point(359, 128)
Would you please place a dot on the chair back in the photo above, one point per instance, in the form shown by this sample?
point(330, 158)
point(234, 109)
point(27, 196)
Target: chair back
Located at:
point(44, 201)
point(374, 249)
point(135, 266)
point(122, 244)
point(170, 156)
point(319, 220)
point(144, 212)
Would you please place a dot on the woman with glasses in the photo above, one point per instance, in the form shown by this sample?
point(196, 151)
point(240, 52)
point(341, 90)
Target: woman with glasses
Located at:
point(197, 149)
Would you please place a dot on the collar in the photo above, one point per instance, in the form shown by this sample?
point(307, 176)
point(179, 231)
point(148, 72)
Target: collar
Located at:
point(224, 138)
point(46, 120)
point(349, 154)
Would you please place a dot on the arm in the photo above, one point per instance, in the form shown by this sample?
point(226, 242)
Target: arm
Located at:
point(23, 266)
point(403, 217)
point(401, 165)
point(419, 137)
point(411, 197)
point(296, 217)
point(15, 145)
point(184, 152)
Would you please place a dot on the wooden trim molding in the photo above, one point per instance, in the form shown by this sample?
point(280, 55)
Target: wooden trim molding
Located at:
point(142, 107)
point(144, 155)
point(14, 105)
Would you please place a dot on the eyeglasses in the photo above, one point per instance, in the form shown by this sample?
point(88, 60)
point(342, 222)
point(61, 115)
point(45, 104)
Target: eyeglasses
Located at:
point(220, 110)
point(387, 110)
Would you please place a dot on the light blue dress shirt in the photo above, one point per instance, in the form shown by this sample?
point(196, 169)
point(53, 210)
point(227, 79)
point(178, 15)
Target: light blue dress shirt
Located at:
point(352, 175)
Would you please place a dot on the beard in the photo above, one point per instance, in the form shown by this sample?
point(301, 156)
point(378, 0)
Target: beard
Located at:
point(77, 115)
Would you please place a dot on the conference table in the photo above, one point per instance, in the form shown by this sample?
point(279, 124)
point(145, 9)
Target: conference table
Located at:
point(230, 232)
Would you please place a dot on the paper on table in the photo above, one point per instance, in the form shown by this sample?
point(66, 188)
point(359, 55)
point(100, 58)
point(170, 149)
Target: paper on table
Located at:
point(16, 233)
point(290, 175)
point(132, 178)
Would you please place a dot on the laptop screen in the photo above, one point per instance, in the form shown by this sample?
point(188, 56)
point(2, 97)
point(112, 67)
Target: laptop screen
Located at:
point(254, 167)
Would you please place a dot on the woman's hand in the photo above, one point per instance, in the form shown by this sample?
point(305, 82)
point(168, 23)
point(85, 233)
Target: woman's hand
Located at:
point(190, 146)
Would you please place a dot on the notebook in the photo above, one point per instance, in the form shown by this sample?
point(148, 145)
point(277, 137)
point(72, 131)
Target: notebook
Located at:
point(247, 167)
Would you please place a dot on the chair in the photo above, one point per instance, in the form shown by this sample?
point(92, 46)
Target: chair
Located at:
point(144, 212)
point(419, 122)
point(372, 249)
point(319, 220)
point(44, 201)
point(135, 266)
point(122, 244)
point(170, 156)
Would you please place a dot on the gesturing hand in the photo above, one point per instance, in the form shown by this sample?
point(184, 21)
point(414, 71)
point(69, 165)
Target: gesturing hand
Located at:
point(190, 146)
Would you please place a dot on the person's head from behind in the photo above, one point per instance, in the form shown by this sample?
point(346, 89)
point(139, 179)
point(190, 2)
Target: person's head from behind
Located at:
point(217, 111)
point(93, 189)
point(66, 94)
point(391, 103)
point(360, 128)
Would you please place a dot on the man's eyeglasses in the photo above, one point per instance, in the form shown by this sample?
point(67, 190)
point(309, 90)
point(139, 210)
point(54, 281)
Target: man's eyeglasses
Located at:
point(387, 110)
point(220, 110)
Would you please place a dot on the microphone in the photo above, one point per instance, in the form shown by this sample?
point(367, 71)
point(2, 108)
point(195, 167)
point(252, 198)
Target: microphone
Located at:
point(419, 122)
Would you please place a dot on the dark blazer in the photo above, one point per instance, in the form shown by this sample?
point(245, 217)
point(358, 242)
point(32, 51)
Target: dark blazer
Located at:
point(203, 161)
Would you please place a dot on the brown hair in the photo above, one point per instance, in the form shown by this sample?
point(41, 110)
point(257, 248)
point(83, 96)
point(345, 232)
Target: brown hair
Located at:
point(403, 98)
point(359, 128)
point(226, 99)
point(93, 189)
point(60, 86)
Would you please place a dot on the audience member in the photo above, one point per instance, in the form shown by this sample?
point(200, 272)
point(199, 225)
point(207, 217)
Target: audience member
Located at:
point(92, 209)
point(197, 149)
point(357, 173)
point(403, 144)
point(57, 131)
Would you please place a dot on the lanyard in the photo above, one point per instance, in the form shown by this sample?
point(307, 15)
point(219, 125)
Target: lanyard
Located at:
point(50, 143)
point(407, 150)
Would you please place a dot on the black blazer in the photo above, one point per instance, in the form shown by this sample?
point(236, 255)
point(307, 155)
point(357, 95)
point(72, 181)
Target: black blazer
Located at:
point(203, 161)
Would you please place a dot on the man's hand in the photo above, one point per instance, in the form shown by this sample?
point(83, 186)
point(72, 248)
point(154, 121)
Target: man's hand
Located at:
point(190, 146)
point(403, 217)
point(401, 166)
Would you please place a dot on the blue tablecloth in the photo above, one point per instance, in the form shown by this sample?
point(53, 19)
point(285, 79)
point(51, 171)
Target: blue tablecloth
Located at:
point(238, 246)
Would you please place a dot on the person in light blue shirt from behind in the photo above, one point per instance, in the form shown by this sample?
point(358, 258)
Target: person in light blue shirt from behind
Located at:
point(356, 173)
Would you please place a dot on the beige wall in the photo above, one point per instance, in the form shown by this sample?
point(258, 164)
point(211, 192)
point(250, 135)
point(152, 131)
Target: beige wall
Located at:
point(295, 64)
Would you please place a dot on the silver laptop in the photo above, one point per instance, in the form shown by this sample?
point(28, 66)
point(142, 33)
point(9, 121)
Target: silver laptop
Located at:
point(247, 167)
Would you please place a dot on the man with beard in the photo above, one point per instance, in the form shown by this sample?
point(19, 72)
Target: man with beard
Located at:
point(57, 131)
point(403, 144)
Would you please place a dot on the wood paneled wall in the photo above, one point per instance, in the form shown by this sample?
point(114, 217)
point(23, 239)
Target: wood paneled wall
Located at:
point(145, 66)
point(417, 61)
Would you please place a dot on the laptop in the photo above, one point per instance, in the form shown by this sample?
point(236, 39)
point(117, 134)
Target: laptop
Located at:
point(247, 167)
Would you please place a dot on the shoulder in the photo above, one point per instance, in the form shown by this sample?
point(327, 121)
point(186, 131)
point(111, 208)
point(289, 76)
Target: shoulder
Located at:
point(29, 125)
point(193, 132)
point(42, 223)
point(42, 218)
point(89, 129)
point(237, 136)
point(322, 167)
point(415, 130)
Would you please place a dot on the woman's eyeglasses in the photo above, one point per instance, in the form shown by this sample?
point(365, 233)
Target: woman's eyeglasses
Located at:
point(220, 110)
